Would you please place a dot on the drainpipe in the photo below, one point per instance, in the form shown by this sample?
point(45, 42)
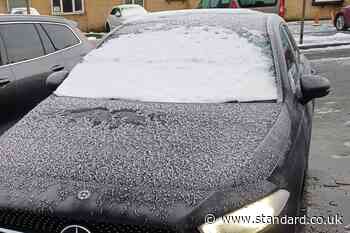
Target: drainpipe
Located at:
point(28, 7)
point(302, 23)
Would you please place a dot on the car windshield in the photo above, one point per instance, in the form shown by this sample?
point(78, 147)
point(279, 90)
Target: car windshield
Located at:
point(190, 59)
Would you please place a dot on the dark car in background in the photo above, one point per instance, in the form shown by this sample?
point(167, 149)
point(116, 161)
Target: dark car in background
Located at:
point(211, 119)
point(32, 48)
point(267, 6)
point(342, 19)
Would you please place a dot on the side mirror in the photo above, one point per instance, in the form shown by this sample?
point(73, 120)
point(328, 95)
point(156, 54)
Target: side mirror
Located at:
point(118, 14)
point(55, 79)
point(314, 86)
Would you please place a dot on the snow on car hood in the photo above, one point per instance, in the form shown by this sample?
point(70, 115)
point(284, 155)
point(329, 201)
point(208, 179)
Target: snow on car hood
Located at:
point(151, 154)
point(177, 64)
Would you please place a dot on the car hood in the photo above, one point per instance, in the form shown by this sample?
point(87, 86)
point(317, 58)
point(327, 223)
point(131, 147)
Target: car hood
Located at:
point(129, 159)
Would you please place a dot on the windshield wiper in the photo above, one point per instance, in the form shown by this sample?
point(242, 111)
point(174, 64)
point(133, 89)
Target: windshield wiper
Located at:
point(231, 102)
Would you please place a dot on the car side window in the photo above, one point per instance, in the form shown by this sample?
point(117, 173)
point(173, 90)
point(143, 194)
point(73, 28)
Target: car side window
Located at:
point(118, 12)
point(290, 59)
point(22, 42)
point(3, 56)
point(1, 63)
point(114, 11)
point(292, 41)
point(1, 53)
point(47, 43)
point(61, 36)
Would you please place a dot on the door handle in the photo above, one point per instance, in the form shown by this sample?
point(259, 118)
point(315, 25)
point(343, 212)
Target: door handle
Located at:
point(57, 68)
point(4, 81)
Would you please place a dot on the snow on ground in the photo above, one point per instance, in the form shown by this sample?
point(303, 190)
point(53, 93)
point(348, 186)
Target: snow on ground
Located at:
point(325, 33)
point(328, 39)
point(325, 49)
point(198, 64)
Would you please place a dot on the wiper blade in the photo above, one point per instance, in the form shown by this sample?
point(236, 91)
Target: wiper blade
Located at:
point(231, 102)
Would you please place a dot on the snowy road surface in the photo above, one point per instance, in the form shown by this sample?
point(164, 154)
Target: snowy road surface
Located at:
point(328, 183)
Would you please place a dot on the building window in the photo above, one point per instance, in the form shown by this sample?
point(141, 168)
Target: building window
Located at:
point(16, 4)
point(67, 7)
point(139, 2)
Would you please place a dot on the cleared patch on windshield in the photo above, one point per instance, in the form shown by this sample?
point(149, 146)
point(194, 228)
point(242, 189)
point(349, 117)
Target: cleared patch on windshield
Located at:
point(111, 119)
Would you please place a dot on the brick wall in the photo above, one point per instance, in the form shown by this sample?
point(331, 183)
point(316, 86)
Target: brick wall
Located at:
point(96, 11)
point(93, 18)
point(3, 7)
point(163, 5)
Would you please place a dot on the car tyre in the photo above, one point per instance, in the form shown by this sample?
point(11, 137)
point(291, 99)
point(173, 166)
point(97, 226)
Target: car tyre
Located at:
point(340, 23)
point(108, 28)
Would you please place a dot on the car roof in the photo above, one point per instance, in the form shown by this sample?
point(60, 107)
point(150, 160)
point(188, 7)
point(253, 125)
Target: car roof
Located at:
point(35, 18)
point(246, 18)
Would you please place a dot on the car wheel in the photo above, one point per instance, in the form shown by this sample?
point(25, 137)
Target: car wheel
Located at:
point(340, 23)
point(108, 28)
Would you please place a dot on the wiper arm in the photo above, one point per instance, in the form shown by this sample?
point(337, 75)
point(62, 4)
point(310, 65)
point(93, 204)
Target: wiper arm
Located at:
point(231, 102)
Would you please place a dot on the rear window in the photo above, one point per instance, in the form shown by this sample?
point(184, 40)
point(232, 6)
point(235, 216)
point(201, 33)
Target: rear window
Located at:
point(61, 36)
point(257, 3)
point(191, 59)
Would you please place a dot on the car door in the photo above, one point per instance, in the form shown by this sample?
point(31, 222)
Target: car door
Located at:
point(304, 69)
point(299, 112)
point(29, 53)
point(69, 47)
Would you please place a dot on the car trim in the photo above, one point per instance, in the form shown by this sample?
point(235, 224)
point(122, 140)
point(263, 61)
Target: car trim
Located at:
point(275, 53)
point(46, 55)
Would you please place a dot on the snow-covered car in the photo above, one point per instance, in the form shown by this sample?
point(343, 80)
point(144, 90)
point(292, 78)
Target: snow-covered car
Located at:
point(122, 13)
point(176, 122)
point(24, 11)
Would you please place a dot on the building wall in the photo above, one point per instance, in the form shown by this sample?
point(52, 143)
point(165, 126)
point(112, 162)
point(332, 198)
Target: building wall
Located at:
point(294, 10)
point(3, 7)
point(96, 11)
point(162, 5)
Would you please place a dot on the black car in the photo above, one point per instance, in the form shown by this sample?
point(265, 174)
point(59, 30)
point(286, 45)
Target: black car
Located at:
point(31, 48)
point(177, 121)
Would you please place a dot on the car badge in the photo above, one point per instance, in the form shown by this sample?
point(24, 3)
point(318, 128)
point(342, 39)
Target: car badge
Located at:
point(75, 229)
point(84, 195)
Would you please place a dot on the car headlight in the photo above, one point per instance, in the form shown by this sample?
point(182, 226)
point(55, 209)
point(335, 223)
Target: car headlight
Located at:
point(246, 219)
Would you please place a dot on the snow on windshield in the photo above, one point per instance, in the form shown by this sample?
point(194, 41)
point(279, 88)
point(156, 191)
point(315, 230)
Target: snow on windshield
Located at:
point(199, 64)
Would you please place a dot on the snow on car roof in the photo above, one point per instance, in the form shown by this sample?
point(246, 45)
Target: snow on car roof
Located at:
point(129, 6)
point(186, 59)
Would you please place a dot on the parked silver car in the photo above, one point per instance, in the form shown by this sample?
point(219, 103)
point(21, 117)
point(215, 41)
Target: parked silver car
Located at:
point(122, 13)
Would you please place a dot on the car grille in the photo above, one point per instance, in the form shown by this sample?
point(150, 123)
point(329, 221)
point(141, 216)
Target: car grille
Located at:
point(32, 223)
